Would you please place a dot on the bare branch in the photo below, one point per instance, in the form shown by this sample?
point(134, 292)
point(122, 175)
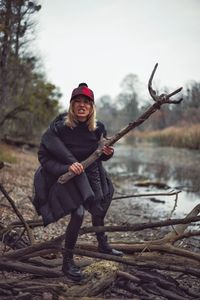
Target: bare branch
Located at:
point(9, 265)
point(187, 235)
point(152, 92)
point(132, 262)
point(174, 93)
point(56, 243)
point(179, 229)
point(171, 193)
point(12, 114)
point(159, 101)
point(19, 215)
point(174, 207)
point(140, 226)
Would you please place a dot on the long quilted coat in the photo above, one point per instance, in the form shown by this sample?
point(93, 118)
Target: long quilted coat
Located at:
point(60, 147)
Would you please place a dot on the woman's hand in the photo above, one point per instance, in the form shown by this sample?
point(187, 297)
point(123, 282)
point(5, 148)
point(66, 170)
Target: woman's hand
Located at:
point(76, 168)
point(108, 150)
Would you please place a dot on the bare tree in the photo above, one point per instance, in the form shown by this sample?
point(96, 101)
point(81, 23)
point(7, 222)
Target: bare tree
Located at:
point(16, 26)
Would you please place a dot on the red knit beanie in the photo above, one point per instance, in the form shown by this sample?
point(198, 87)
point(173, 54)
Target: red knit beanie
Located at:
point(82, 89)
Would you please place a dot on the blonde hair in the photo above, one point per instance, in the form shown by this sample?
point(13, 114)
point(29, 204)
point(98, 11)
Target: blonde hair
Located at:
point(72, 121)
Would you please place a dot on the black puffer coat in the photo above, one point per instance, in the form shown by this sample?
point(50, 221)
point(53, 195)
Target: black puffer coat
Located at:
point(60, 147)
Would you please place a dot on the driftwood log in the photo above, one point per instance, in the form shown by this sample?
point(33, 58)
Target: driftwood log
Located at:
point(137, 273)
point(142, 272)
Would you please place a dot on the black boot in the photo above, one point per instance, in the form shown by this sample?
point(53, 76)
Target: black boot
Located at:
point(69, 268)
point(104, 247)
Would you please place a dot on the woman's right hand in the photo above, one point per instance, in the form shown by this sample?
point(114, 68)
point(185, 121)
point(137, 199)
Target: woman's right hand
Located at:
point(76, 168)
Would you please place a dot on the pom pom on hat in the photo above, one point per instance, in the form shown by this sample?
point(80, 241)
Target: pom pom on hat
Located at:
point(82, 89)
point(83, 84)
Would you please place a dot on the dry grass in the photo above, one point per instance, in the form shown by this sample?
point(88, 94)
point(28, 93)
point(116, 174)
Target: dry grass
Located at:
point(181, 137)
point(6, 154)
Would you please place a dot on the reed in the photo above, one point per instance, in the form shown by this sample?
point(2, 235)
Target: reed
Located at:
point(180, 137)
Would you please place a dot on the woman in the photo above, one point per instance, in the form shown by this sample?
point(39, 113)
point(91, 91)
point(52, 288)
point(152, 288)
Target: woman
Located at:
point(70, 139)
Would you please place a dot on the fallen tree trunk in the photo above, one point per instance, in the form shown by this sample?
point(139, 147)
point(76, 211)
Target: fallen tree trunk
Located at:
point(138, 227)
point(13, 265)
point(158, 283)
point(8, 264)
point(56, 243)
point(19, 142)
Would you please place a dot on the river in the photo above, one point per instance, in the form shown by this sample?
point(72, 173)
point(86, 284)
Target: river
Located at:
point(177, 168)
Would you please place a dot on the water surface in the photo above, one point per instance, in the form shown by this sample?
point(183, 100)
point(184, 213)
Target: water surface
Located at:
point(177, 168)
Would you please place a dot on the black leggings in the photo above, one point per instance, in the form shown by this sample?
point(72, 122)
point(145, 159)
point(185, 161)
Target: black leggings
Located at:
point(74, 226)
point(97, 220)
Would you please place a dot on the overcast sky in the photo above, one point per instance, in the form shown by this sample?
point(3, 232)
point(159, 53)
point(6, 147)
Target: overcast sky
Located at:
point(102, 41)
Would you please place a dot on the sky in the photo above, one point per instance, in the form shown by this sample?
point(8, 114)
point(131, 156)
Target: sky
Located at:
point(100, 42)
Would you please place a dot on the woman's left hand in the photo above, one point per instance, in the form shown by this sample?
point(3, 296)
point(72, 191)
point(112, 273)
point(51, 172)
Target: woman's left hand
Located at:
point(108, 150)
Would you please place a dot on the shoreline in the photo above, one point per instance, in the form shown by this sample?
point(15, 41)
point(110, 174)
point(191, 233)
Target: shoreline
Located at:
point(18, 179)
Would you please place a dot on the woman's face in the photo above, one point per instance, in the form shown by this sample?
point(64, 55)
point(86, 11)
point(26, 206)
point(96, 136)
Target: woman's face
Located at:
point(82, 107)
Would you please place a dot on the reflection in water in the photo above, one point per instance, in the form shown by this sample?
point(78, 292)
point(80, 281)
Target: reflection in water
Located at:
point(178, 168)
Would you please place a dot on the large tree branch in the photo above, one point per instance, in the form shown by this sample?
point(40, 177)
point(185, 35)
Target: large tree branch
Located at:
point(147, 195)
point(140, 226)
point(55, 244)
point(12, 113)
point(159, 101)
point(17, 212)
point(136, 262)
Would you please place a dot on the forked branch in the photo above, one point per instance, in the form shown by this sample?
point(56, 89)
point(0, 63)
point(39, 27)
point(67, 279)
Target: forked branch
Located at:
point(165, 97)
point(159, 101)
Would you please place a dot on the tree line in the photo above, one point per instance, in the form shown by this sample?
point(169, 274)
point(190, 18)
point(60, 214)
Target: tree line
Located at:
point(28, 101)
point(129, 104)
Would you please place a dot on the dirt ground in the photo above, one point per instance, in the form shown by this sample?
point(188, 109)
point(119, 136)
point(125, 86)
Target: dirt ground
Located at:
point(17, 179)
